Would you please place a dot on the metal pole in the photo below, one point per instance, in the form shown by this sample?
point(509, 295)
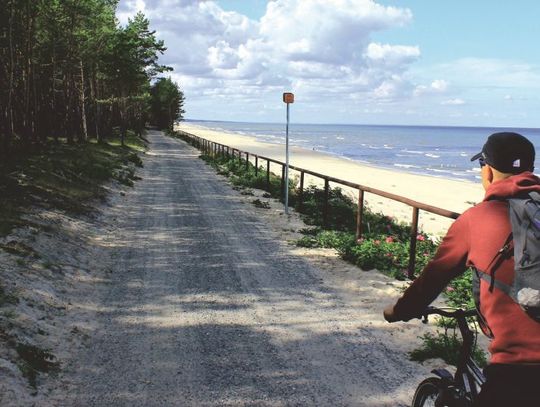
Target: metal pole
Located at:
point(287, 163)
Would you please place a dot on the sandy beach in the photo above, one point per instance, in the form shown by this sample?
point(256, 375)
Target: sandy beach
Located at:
point(444, 193)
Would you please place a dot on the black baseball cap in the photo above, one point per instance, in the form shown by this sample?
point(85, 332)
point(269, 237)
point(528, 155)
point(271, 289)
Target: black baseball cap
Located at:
point(508, 152)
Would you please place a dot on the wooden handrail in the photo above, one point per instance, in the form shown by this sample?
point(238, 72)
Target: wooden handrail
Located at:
point(204, 144)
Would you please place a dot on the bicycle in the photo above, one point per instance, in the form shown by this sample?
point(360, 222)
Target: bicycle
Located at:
point(461, 389)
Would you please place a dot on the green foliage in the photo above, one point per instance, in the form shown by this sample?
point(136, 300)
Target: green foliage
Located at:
point(446, 346)
point(260, 204)
point(63, 176)
point(35, 360)
point(69, 70)
point(7, 298)
point(459, 291)
point(166, 103)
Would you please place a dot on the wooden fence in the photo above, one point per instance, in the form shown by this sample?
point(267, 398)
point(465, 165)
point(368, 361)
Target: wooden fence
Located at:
point(214, 148)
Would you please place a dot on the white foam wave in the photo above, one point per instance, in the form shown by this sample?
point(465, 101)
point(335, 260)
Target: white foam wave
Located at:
point(406, 166)
point(413, 151)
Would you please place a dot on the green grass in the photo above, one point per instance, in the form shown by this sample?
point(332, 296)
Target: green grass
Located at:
point(7, 298)
point(261, 204)
point(63, 176)
point(34, 360)
point(444, 345)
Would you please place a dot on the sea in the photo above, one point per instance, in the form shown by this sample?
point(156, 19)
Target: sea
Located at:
point(428, 150)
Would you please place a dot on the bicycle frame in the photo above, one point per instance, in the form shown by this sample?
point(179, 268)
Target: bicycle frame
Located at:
point(468, 378)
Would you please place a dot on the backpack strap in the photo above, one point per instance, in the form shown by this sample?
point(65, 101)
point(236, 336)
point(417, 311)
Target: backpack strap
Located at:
point(482, 323)
point(501, 255)
point(505, 288)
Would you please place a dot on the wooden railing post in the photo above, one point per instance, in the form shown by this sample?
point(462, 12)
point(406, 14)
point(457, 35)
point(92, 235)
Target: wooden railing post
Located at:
point(256, 165)
point(247, 162)
point(268, 175)
point(301, 191)
point(283, 181)
point(412, 247)
point(326, 196)
point(359, 214)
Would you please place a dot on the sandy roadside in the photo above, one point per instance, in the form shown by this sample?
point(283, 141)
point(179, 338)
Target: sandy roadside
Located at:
point(447, 194)
point(167, 298)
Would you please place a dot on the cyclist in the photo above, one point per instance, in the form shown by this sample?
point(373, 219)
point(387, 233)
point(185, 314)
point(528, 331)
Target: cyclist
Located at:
point(513, 374)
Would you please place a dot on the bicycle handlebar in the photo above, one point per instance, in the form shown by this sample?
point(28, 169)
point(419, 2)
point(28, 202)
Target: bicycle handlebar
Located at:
point(454, 313)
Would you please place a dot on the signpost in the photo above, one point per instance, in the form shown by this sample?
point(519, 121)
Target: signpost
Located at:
point(288, 98)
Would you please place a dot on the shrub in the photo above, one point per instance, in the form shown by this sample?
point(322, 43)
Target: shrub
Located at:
point(444, 345)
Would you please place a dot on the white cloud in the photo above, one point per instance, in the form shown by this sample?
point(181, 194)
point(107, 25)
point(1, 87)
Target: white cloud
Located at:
point(453, 102)
point(437, 86)
point(392, 54)
point(491, 73)
point(316, 47)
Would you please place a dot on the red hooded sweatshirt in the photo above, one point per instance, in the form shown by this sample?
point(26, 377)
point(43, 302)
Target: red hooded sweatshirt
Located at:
point(473, 240)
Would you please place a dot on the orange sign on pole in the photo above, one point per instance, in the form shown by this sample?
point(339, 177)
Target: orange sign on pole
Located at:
point(288, 97)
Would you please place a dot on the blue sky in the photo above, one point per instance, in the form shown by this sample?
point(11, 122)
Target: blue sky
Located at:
point(463, 63)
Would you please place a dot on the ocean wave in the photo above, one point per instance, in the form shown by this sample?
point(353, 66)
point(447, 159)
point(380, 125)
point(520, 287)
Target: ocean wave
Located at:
point(406, 166)
point(432, 155)
point(413, 151)
point(439, 170)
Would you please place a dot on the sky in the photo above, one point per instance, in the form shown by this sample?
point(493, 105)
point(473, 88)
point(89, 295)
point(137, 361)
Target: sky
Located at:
point(408, 62)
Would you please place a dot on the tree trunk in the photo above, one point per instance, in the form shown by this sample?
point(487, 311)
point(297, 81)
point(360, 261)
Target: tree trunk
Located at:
point(82, 104)
point(8, 137)
point(123, 128)
point(94, 104)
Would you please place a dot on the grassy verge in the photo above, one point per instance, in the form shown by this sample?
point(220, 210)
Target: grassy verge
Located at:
point(63, 176)
point(384, 245)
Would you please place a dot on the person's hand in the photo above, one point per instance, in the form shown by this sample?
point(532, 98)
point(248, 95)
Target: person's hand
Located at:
point(389, 314)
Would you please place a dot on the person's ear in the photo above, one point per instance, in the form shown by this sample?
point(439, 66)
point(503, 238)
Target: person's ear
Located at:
point(489, 174)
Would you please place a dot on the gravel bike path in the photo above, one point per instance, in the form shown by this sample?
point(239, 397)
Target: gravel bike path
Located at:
point(204, 306)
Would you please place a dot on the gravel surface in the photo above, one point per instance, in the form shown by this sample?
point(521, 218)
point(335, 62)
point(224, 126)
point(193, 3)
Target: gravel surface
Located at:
point(203, 304)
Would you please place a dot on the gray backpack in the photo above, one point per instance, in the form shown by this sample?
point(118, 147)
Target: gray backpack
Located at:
point(525, 242)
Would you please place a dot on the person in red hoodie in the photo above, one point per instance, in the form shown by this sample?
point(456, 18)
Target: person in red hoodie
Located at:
point(513, 374)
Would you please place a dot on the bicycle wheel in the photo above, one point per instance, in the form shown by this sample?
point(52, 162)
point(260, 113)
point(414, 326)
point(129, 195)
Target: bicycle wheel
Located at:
point(427, 392)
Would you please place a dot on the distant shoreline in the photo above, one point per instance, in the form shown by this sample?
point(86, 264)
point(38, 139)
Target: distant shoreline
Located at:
point(440, 152)
point(445, 193)
point(488, 128)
